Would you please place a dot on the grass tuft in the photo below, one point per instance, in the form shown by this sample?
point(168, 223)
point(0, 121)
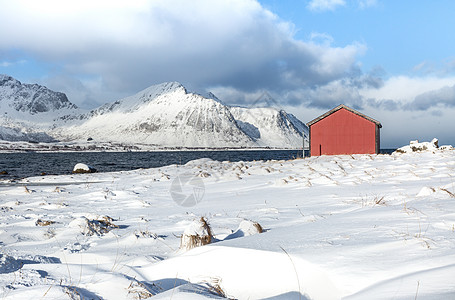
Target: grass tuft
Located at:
point(203, 236)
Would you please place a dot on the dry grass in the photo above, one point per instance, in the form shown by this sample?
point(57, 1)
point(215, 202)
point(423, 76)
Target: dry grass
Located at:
point(452, 195)
point(216, 289)
point(195, 240)
point(27, 190)
point(40, 222)
point(99, 226)
point(379, 200)
point(143, 291)
point(372, 200)
point(258, 227)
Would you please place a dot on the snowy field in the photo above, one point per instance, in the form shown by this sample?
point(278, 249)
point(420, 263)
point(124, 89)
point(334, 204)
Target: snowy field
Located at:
point(350, 227)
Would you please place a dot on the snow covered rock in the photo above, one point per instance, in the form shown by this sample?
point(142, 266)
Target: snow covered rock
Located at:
point(415, 146)
point(446, 147)
point(198, 233)
point(83, 168)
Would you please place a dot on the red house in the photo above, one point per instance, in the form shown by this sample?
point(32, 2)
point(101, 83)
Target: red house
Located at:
point(344, 130)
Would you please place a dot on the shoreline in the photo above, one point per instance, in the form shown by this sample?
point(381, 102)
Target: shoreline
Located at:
point(25, 147)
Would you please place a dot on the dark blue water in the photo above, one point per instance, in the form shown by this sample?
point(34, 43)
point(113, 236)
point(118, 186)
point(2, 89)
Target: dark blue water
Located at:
point(19, 165)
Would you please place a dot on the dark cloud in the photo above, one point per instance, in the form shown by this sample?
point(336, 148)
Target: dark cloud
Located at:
point(387, 104)
point(444, 97)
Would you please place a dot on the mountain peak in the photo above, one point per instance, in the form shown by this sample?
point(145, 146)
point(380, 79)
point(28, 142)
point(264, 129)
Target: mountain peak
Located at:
point(162, 88)
point(6, 80)
point(30, 99)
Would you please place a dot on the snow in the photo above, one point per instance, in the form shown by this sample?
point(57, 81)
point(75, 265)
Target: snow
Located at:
point(334, 227)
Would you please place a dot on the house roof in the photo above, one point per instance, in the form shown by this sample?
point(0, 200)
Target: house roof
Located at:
point(348, 109)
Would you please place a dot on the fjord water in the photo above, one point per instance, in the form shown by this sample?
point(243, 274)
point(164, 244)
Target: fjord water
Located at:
point(19, 165)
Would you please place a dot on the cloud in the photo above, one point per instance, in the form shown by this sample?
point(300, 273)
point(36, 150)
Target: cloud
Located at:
point(122, 47)
point(443, 97)
point(367, 3)
point(411, 94)
point(324, 5)
point(237, 49)
point(6, 63)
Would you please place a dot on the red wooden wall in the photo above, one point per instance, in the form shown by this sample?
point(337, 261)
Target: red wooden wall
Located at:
point(343, 132)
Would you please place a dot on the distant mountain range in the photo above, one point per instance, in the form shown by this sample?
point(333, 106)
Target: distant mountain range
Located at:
point(163, 115)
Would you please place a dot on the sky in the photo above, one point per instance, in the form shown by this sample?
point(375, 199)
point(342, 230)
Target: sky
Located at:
point(392, 60)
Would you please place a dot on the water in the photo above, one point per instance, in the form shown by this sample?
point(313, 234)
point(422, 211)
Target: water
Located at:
point(19, 165)
point(34, 164)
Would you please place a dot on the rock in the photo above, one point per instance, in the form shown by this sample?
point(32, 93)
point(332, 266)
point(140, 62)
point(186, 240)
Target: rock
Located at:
point(83, 168)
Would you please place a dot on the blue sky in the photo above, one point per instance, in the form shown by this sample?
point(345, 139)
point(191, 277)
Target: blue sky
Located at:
point(393, 60)
point(399, 35)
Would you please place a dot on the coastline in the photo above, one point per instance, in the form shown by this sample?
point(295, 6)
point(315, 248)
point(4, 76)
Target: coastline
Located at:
point(24, 147)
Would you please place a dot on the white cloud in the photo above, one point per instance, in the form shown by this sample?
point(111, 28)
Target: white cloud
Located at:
point(405, 89)
point(5, 64)
point(367, 3)
point(323, 5)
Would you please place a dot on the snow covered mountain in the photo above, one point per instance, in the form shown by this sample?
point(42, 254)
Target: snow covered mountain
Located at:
point(29, 110)
point(163, 115)
point(18, 99)
point(271, 127)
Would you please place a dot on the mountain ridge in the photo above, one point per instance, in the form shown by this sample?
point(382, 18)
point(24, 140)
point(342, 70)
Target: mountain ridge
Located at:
point(162, 115)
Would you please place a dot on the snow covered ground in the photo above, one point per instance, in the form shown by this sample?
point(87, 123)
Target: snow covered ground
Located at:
point(351, 227)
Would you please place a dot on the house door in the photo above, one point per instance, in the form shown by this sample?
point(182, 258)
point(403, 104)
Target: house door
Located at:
point(320, 150)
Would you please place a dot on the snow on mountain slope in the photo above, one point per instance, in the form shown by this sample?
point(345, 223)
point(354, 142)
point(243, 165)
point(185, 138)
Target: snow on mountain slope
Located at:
point(163, 115)
point(271, 127)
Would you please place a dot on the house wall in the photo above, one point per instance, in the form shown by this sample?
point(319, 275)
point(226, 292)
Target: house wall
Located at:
point(343, 132)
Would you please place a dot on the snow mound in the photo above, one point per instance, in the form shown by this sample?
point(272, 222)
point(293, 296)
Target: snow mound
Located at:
point(247, 273)
point(415, 146)
point(198, 233)
point(246, 228)
point(426, 191)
